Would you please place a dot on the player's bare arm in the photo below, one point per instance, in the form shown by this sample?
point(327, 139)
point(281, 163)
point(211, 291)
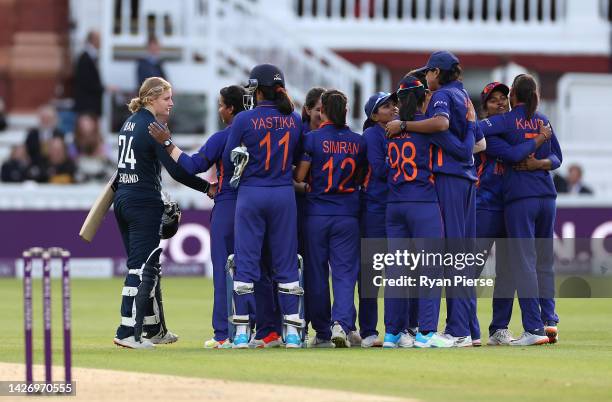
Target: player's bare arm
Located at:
point(299, 174)
point(429, 126)
point(532, 163)
point(544, 135)
point(480, 146)
point(163, 136)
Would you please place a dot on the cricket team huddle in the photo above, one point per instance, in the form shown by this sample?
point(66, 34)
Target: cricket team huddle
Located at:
point(296, 194)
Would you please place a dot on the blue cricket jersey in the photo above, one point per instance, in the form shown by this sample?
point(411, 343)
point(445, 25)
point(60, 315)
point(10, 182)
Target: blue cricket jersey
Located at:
point(374, 189)
point(410, 176)
point(515, 129)
point(271, 139)
point(335, 155)
point(451, 101)
point(211, 153)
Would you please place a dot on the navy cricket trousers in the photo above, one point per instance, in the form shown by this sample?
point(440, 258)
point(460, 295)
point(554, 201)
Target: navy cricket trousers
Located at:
point(530, 222)
point(490, 226)
point(331, 242)
point(139, 226)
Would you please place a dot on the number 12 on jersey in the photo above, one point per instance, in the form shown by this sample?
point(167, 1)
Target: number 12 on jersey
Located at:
point(329, 166)
point(126, 153)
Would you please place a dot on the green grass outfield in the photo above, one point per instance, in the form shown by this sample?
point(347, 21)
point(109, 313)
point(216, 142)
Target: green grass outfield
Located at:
point(579, 368)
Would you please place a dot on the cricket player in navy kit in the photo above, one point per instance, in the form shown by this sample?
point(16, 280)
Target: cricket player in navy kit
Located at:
point(138, 208)
point(380, 109)
point(265, 207)
point(311, 120)
point(413, 212)
point(335, 158)
point(529, 211)
point(490, 224)
point(222, 219)
point(450, 114)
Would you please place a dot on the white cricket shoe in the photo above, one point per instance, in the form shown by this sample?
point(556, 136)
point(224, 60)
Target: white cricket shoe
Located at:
point(529, 339)
point(159, 339)
point(500, 337)
point(354, 338)
point(339, 337)
point(321, 343)
point(433, 340)
point(371, 341)
point(462, 341)
point(406, 340)
point(130, 343)
point(446, 341)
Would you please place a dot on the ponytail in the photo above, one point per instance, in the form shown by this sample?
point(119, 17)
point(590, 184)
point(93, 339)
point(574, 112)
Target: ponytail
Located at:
point(135, 105)
point(279, 96)
point(333, 104)
point(368, 123)
point(410, 101)
point(151, 89)
point(525, 89)
point(282, 100)
point(531, 104)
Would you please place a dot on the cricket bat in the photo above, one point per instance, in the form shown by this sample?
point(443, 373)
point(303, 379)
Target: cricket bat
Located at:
point(98, 210)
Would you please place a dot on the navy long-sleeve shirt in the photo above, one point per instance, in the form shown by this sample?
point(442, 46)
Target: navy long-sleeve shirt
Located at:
point(140, 159)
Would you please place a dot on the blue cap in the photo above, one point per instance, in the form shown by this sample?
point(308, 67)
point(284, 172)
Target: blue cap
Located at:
point(267, 75)
point(444, 60)
point(375, 101)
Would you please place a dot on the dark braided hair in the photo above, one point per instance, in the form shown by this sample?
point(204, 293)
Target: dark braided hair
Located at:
point(334, 105)
point(525, 89)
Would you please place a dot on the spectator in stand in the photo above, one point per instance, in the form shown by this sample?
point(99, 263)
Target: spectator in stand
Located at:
point(92, 156)
point(16, 168)
point(574, 181)
point(2, 116)
point(151, 64)
point(88, 87)
point(60, 169)
point(38, 137)
point(560, 183)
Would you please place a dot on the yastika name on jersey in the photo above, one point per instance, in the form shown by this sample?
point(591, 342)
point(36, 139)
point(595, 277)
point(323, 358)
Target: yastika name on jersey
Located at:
point(273, 122)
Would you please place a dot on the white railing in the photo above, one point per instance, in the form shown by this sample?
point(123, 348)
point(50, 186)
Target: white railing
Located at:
point(212, 43)
point(557, 27)
point(304, 66)
point(458, 10)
